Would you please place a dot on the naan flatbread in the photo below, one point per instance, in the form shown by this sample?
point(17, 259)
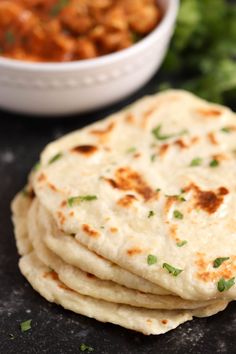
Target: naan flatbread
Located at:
point(157, 175)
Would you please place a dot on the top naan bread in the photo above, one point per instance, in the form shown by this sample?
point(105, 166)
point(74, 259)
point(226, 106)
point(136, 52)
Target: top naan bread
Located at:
point(155, 179)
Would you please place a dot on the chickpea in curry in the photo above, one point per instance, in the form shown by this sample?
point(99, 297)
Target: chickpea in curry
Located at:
point(69, 30)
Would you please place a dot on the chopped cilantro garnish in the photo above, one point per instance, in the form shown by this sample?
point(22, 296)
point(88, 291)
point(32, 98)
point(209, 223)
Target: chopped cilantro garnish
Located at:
point(37, 166)
point(178, 215)
point(196, 162)
point(25, 326)
point(224, 285)
point(10, 37)
point(58, 7)
point(153, 157)
point(214, 163)
point(86, 348)
point(158, 189)
point(151, 259)
point(80, 198)
point(226, 130)
point(131, 150)
point(181, 243)
point(151, 213)
point(172, 270)
point(218, 261)
point(157, 133)
point(55, 158)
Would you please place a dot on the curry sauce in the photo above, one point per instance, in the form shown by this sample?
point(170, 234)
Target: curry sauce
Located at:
point(68, 30)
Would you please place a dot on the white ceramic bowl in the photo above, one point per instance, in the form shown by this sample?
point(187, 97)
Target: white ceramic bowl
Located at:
point(76, 87)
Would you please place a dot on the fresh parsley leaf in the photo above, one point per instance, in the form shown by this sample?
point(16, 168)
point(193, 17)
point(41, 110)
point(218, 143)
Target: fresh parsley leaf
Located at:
point(55, 158)
point(151, 259)
point(218, 261)
point(181, 243)
point(224, 285)
point(159, 136)
point(214, 163)
point(86, 348)
point(178, 215)
point(172, 270)
point(196, 162)
point(80, 198)
point(209, 66)
point(131, 150)
point(151, 213)
point(25, 326)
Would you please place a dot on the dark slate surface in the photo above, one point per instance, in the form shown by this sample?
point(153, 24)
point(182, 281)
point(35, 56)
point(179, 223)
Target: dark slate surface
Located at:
point(55, 330)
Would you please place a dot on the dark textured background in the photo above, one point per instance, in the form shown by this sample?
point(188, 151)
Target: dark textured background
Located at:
point(55, 330)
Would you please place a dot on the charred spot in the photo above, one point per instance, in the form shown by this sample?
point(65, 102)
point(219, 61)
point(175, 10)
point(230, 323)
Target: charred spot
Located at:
point(209, 201)
point(113, 230)
point(129, 118)
point(212, 139)
point(41, 177)
point(137, 155)
point(51, 274)
point(127, 200)
point(133, 251)
point(111, 182)
point(61, 217)
point(89, 231)
point(181, 144)
point(223, 191)
point(104, 131)
point(209, 112)
point(52, 187)
point(90, 276)
point(85, 149)
point(163, 149)
point(205, 274)
point(127, 179)
point(164, 322)
point(63, 204)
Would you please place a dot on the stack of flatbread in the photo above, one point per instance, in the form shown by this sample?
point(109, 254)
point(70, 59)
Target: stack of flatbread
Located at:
point(132, 220)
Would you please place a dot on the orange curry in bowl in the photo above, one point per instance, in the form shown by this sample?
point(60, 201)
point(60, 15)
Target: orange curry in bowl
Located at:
point(68, 30)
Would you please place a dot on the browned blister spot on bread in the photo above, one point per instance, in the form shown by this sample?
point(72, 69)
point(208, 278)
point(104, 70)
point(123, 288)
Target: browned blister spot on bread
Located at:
point(212, 138)
point(134, 251)
point(128, 179)
point(52, 187)
point(103, 133)
point(42, 177)
point(90, 231)
point(130, 118)
point(207, 273)
point(163, 149)
point(126, 201)
point(86, 150)
point(113, 230)
point(209, 201)
point(164, 322)
point(61, 217)
point(181, 144)
point(54, 276)
point(209, 112)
